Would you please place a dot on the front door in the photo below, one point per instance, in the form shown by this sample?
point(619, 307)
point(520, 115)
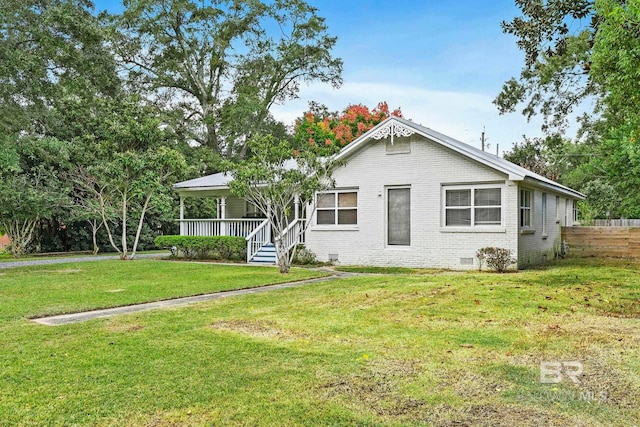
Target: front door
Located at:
point(399, 216)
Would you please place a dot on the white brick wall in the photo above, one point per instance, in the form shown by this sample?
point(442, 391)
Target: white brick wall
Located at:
point(536, 245)
point(425, 169)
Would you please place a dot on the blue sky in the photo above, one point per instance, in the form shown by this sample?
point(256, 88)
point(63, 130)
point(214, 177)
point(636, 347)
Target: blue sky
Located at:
point(442, 62)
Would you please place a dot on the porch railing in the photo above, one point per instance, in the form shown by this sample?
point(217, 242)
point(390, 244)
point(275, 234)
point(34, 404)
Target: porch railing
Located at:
point(258, 238)
point(292, 235)
point(218, 227)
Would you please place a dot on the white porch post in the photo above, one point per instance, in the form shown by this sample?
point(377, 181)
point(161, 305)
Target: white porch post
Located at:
point(223, 216)
point(181, 216)
point(268, 236)
point(296, 207)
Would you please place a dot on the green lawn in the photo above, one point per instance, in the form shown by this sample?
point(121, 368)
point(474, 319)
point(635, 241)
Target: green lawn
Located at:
point(71, 287)
point(394, 350)
point(7, 257)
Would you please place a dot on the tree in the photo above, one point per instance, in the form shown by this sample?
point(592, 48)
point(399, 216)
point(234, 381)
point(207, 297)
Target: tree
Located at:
point(602, 201)
point(615, 60)
point(557, 38)
point(553, 156)
point(274, 177)
point(223, 62)
point(320, 127)
point(584, 50)
point(31, 186)
point(128, 187)
point(50, 51)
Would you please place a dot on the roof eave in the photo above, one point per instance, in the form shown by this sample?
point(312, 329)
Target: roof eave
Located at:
point(556, 188)
point(192, 189)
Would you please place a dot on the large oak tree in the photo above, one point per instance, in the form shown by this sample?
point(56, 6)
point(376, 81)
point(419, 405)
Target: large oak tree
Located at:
point(221, 64)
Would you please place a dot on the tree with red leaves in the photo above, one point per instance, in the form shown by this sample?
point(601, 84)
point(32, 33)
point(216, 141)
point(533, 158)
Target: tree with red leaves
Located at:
point(320, 127)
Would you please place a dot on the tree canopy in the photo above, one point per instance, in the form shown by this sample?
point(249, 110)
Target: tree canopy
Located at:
point(51, 52)
point(584, 51)
point(220, 65)
point(100, 113)
point(320, 127)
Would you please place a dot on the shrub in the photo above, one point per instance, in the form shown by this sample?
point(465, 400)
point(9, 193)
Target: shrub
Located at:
point(206, 247)
point(497, 259)
point(304, 256)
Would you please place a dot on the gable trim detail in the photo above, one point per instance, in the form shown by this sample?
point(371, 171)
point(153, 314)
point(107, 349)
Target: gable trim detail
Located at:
point(392, 129)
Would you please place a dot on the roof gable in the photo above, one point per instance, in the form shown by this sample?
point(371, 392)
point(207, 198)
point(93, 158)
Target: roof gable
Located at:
point(393, 127)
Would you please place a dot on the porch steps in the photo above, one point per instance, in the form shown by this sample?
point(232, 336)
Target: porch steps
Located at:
point(266, 255)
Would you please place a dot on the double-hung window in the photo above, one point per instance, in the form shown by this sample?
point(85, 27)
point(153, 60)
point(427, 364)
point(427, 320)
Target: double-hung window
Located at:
point(337, 208)
point(472, 206)
point(525, 208)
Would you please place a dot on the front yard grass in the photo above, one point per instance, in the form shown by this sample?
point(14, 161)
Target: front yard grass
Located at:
point(72, 287)
point(438, 349)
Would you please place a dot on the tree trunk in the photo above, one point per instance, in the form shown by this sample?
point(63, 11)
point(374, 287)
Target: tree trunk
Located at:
point(283, 258)
point(94, 232)
point(283, 264)
point(140, 224)
point(123, 255)
point(106, 225)
point(21, 234)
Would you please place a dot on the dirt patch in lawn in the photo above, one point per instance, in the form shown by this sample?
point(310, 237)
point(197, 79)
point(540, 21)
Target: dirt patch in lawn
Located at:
point(123, 327)
point(496, 415)
point(256, 328)
point(378, 389)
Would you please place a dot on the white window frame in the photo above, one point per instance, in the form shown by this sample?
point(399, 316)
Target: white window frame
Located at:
point(471, 188)
point(529, 208)
point(336, 208)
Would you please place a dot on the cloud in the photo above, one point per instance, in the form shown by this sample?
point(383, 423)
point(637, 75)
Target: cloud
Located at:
point(461, 115)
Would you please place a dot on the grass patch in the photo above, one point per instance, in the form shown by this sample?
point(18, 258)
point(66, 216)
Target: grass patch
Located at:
point(38, 291)
point(7, 257)
point(387, 270)
point(396, 350)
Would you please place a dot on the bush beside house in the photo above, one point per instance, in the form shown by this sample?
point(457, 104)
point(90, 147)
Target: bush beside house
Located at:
point(225, 248)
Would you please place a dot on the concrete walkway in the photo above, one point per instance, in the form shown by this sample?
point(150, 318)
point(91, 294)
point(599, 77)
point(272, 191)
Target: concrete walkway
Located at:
point(63, 260)
point(65, 319)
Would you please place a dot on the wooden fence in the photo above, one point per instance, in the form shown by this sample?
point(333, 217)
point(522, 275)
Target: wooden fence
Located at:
point(617, 222)
point(621, 242)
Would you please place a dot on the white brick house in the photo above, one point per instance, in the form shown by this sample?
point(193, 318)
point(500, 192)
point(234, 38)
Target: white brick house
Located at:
point(410, 196)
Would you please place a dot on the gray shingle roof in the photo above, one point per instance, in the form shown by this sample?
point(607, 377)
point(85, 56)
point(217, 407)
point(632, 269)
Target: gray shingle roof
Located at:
point(515, 172)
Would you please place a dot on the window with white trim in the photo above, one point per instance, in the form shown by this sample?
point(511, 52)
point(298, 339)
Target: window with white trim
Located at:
point(337, 208)
point(472, 206)
point(525, 208)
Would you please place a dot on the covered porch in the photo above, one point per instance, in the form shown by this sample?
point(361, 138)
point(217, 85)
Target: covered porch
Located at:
point(235, 217)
